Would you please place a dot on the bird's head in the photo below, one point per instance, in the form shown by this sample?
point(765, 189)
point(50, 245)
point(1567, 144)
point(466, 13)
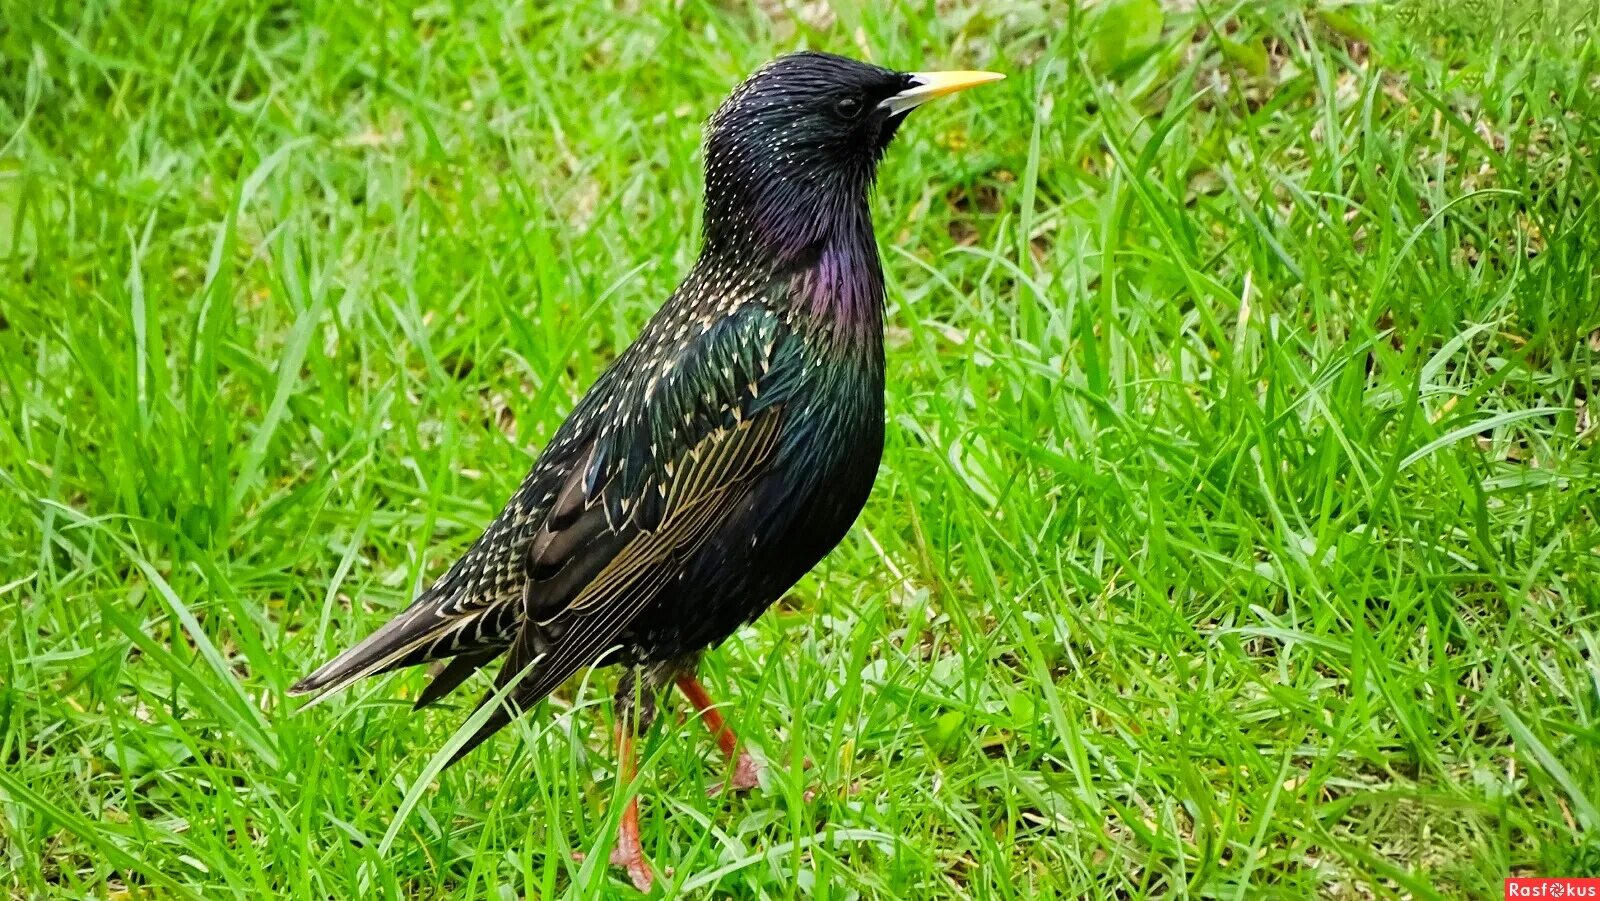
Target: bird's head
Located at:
point(793, 151)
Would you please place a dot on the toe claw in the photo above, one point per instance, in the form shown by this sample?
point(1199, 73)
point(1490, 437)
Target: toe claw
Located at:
point(638, 868)
point(746, 775)
point(640, 873)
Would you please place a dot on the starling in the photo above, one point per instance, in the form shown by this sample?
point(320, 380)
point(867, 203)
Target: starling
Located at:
point(718, 458)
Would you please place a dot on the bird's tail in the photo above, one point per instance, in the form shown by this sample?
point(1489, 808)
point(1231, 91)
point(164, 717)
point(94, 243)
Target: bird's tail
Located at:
point(413, 637)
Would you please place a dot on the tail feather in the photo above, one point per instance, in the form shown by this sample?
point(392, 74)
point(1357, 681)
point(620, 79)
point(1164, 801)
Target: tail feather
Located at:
point(397, 644)
point(537, 669)
point(453, 674)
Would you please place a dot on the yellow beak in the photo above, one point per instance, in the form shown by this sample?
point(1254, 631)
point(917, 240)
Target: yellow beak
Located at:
point(928, 85)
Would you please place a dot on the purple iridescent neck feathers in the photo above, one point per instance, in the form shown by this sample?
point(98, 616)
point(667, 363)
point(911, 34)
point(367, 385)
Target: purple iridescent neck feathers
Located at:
point(790, 160)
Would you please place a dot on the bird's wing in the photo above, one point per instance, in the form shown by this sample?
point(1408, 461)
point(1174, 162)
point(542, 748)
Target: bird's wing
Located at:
point(659, 478)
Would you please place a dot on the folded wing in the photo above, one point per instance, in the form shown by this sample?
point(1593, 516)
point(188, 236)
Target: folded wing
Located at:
point(654, 484)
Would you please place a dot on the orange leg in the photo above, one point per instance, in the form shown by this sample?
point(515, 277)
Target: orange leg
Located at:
point(746, 772)
point(629, 852)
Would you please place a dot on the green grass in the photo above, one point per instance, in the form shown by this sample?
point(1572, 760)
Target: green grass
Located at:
point(1238, 533)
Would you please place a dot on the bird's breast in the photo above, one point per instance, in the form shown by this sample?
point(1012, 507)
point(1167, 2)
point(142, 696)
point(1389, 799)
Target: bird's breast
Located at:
point(834, 443)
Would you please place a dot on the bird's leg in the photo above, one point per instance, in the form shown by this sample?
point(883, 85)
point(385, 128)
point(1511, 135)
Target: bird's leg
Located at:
point(629, 852)
point(746, 772)
point(636, 710)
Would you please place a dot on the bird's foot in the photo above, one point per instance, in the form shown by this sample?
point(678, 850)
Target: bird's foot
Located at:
point(638, 868)
point(632, 859)
point(745, 775)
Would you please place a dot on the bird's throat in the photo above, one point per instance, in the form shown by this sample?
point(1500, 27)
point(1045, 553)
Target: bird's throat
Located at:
point(841, 291)
point(821, 264)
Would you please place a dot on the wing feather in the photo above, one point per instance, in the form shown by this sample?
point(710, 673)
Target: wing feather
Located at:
point(644, 499)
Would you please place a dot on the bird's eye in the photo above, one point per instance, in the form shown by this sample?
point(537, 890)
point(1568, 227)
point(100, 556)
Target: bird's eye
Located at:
point(849, 107)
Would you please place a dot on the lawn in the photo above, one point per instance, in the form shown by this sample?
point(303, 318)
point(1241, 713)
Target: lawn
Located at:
point(1238, 532)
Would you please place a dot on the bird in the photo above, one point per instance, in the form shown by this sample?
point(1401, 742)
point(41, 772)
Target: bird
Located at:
point(716, 460)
